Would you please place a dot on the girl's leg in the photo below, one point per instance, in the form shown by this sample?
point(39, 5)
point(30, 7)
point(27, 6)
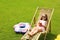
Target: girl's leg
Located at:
point(41, 29)
point(34, 31)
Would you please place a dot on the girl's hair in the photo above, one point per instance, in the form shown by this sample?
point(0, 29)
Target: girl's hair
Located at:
point(46, 18)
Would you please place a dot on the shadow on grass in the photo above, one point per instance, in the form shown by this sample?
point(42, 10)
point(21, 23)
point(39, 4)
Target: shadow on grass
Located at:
point(49, 36)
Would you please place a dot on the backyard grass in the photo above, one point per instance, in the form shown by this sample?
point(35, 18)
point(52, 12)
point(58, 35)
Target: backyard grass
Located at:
point(15, 11)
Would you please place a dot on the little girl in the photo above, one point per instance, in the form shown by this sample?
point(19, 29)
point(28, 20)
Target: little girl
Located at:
point(41, 25)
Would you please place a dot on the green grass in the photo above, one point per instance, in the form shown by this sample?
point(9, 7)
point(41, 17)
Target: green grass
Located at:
point(15, 11)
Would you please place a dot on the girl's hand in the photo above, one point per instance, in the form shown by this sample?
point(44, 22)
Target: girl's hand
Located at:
point(40, 24)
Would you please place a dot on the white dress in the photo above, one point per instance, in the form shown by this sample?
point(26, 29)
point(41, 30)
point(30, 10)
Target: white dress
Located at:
point(43, 23)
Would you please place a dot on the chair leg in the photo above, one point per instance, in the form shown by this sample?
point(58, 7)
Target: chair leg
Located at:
point(45, 36)
point(50, 27)
point(34, 20)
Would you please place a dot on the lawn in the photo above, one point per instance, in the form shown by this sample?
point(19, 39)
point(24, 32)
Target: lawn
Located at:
point(15, 11)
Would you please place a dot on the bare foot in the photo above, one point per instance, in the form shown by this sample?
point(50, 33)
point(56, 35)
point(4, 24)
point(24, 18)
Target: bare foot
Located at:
point(30, 35)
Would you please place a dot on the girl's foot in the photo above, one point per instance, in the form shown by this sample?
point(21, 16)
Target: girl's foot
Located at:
point(30, 35)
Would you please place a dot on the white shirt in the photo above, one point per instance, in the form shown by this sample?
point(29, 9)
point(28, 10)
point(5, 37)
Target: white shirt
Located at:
point(42, 21)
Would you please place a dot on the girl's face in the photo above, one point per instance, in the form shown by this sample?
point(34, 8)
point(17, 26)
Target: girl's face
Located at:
point(43, 18)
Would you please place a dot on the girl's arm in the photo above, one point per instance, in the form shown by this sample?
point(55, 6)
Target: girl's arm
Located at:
point(46, 24)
